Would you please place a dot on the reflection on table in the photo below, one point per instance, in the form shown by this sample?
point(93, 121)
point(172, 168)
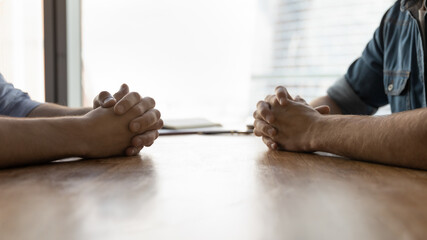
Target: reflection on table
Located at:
point(213, 187)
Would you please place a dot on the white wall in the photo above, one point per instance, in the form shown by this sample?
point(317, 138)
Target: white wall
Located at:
point(192, 56)
point(21, 45)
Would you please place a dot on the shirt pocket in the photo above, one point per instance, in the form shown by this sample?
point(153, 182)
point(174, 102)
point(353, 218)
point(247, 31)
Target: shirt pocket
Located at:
point(396, 86)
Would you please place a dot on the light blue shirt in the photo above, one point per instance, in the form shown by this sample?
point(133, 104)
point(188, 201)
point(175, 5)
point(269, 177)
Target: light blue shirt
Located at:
point(14, 102)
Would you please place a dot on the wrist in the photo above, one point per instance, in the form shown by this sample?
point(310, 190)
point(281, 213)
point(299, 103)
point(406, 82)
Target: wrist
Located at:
point(319, 133)
point(77, 135)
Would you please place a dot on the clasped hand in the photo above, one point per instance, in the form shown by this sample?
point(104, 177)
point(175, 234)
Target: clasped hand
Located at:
point(143, 120)
point(287, 123)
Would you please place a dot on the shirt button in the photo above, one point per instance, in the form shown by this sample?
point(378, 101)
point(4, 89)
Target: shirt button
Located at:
point(390, 87)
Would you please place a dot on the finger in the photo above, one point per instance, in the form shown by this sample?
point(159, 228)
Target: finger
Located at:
point(138, 150)
point(143, 106)
point(257, 132)
point(271, 99)
point(264, 112)
point(264, 129)
point(270, 143)
point(142, 123)
point(158, 125)
point(323, 109)
point(131, 100)
point(300, 100)
point(104, 99)
point(132, 151)
point(146, 139)
point(282, 95)
point(127, 102)
point(124, 89)
point(154, 127)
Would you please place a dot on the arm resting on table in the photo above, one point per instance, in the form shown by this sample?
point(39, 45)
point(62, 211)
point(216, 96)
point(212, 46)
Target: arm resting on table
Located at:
point(55, 110)
point(398, 139)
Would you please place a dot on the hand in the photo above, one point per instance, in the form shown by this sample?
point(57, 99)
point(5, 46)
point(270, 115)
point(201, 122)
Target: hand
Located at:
point(104, 133)
point(147, 124)
point(264, 117)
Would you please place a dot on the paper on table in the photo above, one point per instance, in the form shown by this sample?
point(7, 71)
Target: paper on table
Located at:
point(187, 123)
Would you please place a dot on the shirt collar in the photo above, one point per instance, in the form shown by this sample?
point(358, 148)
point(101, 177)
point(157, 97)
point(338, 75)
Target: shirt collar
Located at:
point(406, 4)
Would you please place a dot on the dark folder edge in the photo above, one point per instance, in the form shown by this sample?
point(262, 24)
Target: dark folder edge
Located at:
point(203, 131)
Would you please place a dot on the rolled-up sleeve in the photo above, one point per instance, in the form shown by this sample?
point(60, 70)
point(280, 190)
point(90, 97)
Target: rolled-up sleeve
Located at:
point(361, 90)
point(349, 102)
point(14, 102)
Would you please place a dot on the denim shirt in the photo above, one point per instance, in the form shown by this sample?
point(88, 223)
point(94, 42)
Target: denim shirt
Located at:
point(14, 102)
point(390, 70)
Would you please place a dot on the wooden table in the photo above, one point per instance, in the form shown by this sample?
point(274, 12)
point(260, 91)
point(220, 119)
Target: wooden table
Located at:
point(213, 187)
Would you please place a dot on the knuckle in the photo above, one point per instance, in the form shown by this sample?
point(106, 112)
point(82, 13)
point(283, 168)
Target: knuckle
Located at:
point(136, 141)
point(150, 142)
point(128, 151)
point(148, 138)
point(156, 114)
point(118, 95)
point(135, 95)
point(132, 98)
point(267, 98)
point(265, 140)
point(150, 101)
point(152, 117)
point(264, 112)
point(280, 87)
point(139, 110)
point(124, 102)
point(264, 128)
point(159, 124)
point(262, 103)
point(254, 114)
point(256, 124)
point(143, 121)
point(140, 140)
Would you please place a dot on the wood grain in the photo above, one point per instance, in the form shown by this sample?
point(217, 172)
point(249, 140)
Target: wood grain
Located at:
point(213, 187)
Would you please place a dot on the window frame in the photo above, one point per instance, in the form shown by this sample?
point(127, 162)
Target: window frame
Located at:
point(62, 48)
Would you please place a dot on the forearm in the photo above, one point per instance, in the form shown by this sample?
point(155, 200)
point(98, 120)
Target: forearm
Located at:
point(326, 100)
point(30, 141)
point(55, 110)
point(398, 139)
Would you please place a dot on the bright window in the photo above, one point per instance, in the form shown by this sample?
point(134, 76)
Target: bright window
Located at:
point(216, 59)
point(307, 44)
point(192, 56)
point(21, 45)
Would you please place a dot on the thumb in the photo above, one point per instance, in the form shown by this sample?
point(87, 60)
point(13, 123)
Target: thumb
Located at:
point(323, 109)
point(104, 99)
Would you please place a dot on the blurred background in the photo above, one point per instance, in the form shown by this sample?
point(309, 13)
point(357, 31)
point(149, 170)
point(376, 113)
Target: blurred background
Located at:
point(212, 59)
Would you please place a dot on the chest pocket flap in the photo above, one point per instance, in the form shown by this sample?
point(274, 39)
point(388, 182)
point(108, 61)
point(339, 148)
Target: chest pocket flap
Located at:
point(395, 82)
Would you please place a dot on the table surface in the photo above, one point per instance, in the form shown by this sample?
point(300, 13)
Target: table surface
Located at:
point(213, 187)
